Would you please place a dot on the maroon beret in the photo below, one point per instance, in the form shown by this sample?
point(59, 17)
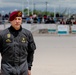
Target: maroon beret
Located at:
point(15, 14)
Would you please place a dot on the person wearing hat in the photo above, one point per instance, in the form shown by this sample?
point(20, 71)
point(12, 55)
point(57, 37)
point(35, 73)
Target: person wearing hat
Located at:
point(17, 47)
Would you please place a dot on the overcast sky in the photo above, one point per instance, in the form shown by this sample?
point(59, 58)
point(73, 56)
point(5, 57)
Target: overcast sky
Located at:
point(10, 5)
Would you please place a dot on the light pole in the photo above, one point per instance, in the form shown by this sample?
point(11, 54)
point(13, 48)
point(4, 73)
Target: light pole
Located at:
point(32, 6)
point(54, 11)
point(22, 8)
point(46, 7)
point(28, 7)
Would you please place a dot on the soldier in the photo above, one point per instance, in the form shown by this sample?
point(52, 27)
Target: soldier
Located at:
point(17, 47)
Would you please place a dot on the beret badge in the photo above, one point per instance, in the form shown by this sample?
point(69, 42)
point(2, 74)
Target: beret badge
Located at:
point(19, 13)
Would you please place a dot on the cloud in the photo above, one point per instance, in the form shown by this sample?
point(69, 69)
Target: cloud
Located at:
point(39, 4)
point(52, 3)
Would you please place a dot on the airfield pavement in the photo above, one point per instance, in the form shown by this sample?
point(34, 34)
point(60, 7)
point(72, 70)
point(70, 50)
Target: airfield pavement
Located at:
point(55, 55)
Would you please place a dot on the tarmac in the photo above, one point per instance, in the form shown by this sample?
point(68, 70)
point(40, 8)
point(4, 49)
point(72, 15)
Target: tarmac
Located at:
point(55, 55)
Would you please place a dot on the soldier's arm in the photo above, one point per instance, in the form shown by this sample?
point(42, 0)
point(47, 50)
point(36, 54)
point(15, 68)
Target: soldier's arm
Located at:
point(31, 49)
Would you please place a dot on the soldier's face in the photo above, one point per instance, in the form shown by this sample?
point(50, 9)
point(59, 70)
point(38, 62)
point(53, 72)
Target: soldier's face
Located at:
point(16, 23)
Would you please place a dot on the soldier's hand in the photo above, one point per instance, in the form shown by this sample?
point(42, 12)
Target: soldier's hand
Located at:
point(29, 72)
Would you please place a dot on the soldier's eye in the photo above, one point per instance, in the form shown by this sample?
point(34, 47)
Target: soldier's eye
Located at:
point(19, 18)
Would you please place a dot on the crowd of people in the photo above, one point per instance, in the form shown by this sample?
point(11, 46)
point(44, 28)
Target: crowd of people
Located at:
point(40, 19)
point(49, 20)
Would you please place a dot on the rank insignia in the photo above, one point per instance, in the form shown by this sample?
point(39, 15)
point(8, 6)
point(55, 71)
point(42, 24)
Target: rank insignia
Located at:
point(23, 39)
point(8, 40)
point(8, 35)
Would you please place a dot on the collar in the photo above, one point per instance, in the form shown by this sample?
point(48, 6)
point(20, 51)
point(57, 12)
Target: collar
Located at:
point(13, 30)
